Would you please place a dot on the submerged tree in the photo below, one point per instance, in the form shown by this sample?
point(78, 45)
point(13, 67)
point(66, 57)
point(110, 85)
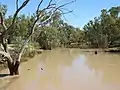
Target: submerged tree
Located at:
point(41, 18)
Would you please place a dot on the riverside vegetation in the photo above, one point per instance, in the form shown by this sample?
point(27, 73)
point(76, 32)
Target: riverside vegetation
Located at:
point(22, 35)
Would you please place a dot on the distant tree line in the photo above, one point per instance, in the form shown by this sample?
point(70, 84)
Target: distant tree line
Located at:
point(104, 31)
point(56, 33)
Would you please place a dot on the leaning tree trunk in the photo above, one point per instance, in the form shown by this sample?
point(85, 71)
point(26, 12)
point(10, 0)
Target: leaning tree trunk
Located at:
point(13, 65)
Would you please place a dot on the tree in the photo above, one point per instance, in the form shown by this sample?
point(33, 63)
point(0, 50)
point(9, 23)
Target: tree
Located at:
point(48, 38)
point(40, 19)
point(104, 31)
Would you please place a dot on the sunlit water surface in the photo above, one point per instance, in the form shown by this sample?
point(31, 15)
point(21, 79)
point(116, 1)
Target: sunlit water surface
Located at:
point(70, 69)
point(76, 70)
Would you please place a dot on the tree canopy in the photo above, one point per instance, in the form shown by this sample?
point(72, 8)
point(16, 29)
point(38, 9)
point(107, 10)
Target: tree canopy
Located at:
point(104, 31)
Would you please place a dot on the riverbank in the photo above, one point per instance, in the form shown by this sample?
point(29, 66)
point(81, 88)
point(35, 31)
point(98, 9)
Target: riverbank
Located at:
point(30, 55)
point(110, 50)
point(28, 73)
point(26, 57)
point(113, 50)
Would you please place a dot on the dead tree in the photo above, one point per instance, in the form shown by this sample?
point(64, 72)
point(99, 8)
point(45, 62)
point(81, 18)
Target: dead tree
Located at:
point(50, 9)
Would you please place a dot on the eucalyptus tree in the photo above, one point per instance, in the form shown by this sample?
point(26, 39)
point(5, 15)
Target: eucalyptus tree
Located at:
point(40, 19)
point(104, 31)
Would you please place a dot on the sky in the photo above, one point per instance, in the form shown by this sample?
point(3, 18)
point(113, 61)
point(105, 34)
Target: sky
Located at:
point(83, 10)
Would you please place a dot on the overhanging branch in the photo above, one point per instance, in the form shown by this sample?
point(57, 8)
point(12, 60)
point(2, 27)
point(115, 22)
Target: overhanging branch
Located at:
point(17, 4)
point(50, 9)
point(65, 4)
point(27, 40)
point(15, 15)
point(38, 7)
point(18, 10)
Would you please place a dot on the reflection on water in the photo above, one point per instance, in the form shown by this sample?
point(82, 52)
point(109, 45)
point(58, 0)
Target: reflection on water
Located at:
point(74, 70)
point(69, 70)
point(108, 65)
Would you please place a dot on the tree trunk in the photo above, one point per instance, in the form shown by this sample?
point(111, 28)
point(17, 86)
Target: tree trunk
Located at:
point(16, 67)
point(13, 68)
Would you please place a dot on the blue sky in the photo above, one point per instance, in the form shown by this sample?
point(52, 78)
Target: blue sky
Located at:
point(84, 10)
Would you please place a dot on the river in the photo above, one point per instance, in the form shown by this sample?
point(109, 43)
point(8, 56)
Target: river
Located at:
point(71, 69)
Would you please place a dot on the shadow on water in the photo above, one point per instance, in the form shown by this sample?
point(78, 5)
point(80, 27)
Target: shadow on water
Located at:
point(4, 75)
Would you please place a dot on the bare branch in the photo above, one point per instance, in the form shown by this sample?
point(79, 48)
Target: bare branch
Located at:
point(4, 42)
point(50, 9)
point(17, 4)
point(49, 6)
point(55, 8)
point(32, 29)
point(15, 15)
point(50, 2)
point(65, 4)
point(18, 10)
point(57, 1)
point(65, 9)
point(64, 17)
point(27, 40)
point(44, 22)
point(69, 11)
point(37, 11)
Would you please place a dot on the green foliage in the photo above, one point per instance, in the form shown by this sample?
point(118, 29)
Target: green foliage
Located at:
point(48, 38)
point(51, 37)
point(55, 34)
point(21, 29)
point(104, 31)
point(3, 9)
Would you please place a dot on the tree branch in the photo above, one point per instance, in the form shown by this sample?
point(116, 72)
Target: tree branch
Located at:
point(37, 11)
point(32, 30)
point(17, 4)
point(65, 4)
point(49, 6)
point(50, 2)
point(3, 39)
point(27, 40)
point(3, 36)
point(65, 12)
point(52, 9)
point(18, 10)
point(15, 15)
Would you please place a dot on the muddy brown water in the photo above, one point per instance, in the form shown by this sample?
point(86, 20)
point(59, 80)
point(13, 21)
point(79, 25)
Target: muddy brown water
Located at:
point(70, 69)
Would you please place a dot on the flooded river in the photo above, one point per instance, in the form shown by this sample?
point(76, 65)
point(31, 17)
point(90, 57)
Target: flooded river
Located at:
point(71, 70)
point(76, 70)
